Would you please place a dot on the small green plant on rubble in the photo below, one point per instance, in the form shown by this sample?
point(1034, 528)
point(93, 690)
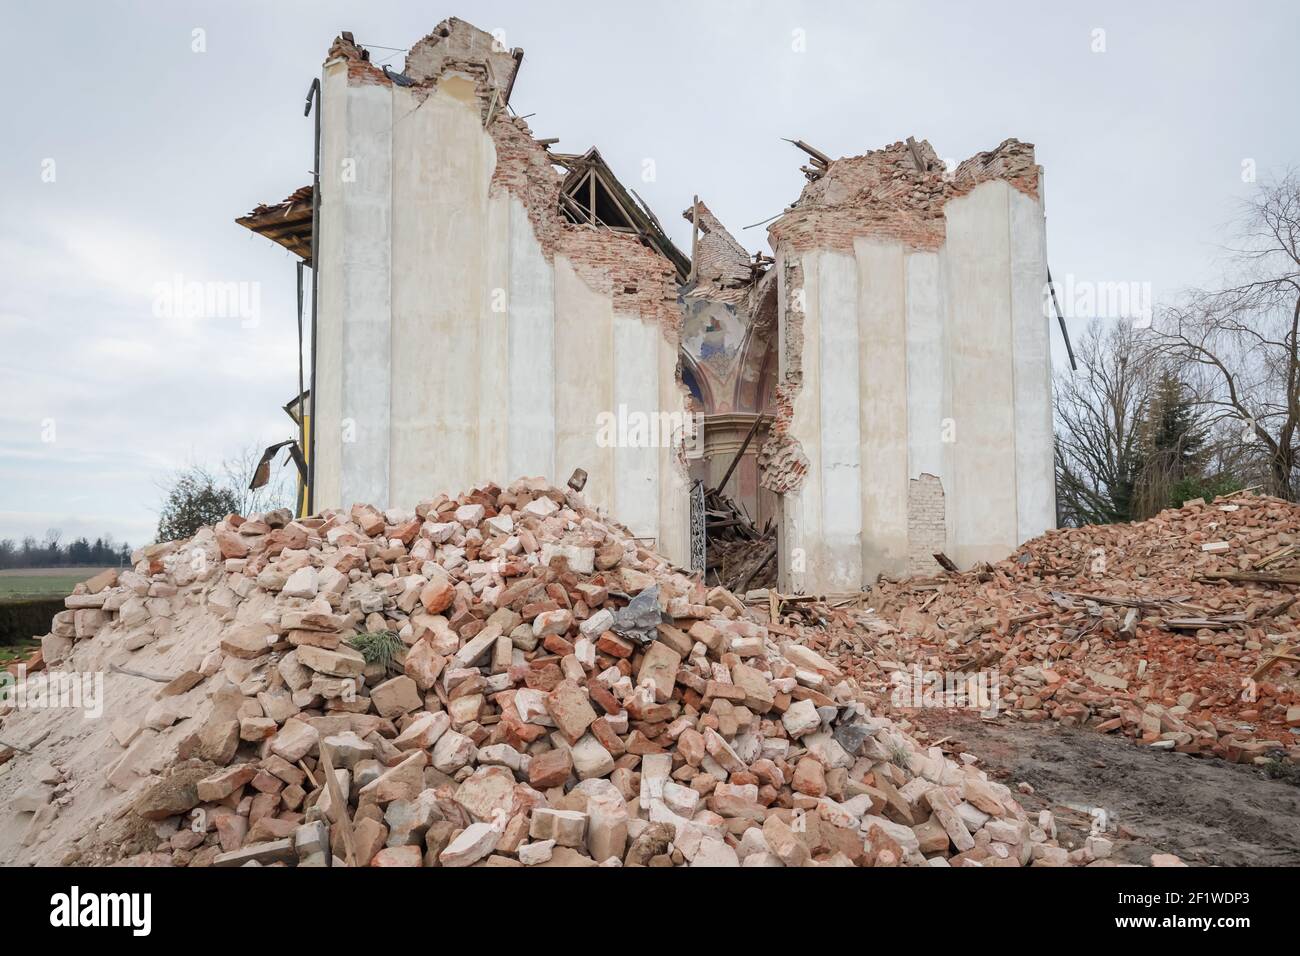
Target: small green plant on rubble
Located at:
point(899, 756)
point(378, 647)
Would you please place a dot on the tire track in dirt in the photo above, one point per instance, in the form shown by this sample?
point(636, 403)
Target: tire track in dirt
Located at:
point(1207, 811)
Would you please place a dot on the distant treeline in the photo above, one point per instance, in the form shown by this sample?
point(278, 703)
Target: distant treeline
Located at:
point(51, 553)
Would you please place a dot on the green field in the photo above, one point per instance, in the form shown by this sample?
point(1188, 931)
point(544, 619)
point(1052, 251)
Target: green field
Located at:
point(29, 597)
point(10, 653)
point(26, 584)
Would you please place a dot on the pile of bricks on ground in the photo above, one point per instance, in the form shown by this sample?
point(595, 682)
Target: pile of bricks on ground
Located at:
point(560, 696)
point(1178, 631)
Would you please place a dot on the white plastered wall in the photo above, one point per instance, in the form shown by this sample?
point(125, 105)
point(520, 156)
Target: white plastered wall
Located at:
point(452, 347)
point(922, 362)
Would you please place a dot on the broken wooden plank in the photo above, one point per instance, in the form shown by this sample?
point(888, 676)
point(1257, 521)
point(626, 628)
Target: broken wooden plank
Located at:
point(816, 154)
point(340, 804)
point(1289, 576)
point(1203, 623)
point(1272, 660)
point(1278, 609)
point(767, 559)
point(1020, 619)
point(1273, 557)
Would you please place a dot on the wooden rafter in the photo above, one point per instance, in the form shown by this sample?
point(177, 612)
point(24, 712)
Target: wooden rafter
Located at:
point(591, 171)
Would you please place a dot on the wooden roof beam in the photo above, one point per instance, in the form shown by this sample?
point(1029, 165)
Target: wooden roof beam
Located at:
point(818, 156)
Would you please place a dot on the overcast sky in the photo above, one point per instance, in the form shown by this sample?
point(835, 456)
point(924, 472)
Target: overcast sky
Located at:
point(128, 155)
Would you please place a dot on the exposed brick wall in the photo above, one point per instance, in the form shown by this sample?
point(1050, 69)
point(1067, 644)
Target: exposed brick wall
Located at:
point(360, 69)
point(927, 532)
point(719, 260)
point(638, 278)
point(883, 194)
point(454, 43)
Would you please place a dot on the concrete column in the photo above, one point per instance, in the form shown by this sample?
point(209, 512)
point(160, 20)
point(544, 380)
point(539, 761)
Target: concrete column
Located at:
point(984, 494)
point(882, 307)
point(584, 382)
point(530, 393)
point(1032, 359)
point(363, 180)
point(441, 164)
point(929, 448)
point(636, 388)
point(839, 397)
point(494, 342)
point(926, 365)
point(327, 395)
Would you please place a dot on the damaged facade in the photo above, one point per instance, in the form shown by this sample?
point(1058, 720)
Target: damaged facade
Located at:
point(484, 300)
point(912, 345)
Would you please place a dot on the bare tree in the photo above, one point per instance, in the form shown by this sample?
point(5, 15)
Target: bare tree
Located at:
point(198, 496)
point(1099, 425)
point(1238, 346)
point(278, 492)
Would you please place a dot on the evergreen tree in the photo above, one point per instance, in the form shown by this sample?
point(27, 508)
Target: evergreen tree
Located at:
point(79, 552)
point(1174, 448)
point(1177, 434)
point(193, 501)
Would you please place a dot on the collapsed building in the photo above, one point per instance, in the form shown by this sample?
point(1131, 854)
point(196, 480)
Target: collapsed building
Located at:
point(877, 389)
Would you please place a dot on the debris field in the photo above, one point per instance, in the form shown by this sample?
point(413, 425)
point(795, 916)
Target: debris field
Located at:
point(1178, 631)
point(503, 678)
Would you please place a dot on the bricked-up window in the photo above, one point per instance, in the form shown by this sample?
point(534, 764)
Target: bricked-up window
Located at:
point(926, 523)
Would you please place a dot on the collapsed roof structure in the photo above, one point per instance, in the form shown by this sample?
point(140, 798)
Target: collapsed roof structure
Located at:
point(875, 391)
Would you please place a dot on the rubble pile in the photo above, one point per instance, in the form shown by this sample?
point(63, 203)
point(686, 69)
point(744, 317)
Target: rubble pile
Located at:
point(1177, 631)
point(740, 554)
point(503, 678)
point(744, 564)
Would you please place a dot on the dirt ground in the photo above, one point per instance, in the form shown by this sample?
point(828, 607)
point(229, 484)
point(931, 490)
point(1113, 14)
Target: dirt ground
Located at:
point(1207, 811)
